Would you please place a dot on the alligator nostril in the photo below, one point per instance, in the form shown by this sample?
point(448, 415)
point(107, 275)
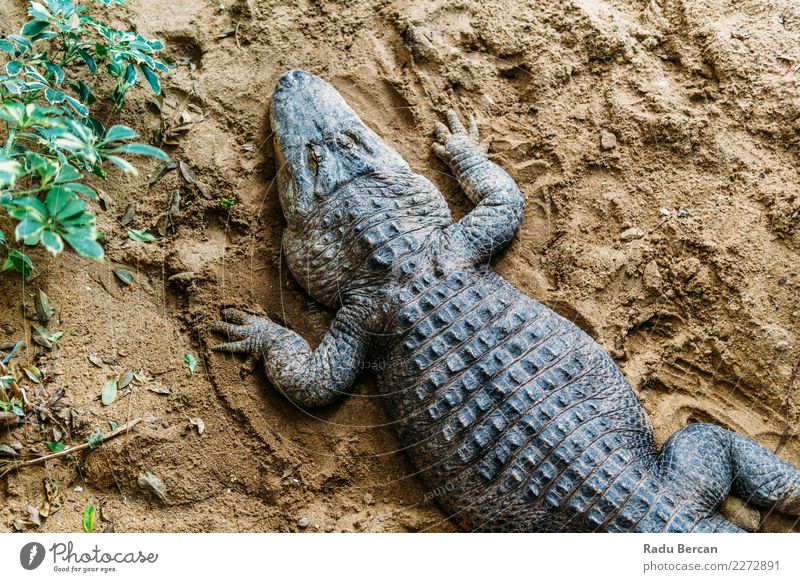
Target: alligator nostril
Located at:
point(286, 80)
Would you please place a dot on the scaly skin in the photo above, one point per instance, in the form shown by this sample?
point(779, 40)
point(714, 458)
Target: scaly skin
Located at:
point(516, 419)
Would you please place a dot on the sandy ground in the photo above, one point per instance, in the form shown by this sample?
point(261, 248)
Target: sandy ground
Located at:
point(656, 145)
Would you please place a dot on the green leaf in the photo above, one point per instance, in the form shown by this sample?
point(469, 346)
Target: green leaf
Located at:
point(28, 229)
point(34, 74)
point(55, 447)
point(57, 198)
point(85, 247)
point(87, 58)
point(86, 97)
point(141, 236)
point(34, 27)
point(109, 392)
point(44, 309)
point(7, 47)
point(72, 211)
point(78, 188)
point(52, 242)
point(79, 107)
point(190, 361)
point(119, 133)
point(56, 71)
point(20, 262)
point(13, 351)
point(10, 170)
point(13, 68)
point(131, 76)
point(67, 173)
point(124, 275)
point(44, 337)
point(118, 95)
point(152, 79)
point(95, 439)
point(141, 149)
point(88, 518)
point(28, 206)
point(38, 11)
point(122, 164)
point(54, 97)
point(21, 41)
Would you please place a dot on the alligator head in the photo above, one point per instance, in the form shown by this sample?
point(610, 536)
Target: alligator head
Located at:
point(320, 144)
point(345, 193)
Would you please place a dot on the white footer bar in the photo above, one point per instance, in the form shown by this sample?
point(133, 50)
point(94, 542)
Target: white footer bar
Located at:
point(370, 557)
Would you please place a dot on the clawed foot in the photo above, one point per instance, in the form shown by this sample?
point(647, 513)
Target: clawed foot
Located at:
point(252, 333)
point(456, 140)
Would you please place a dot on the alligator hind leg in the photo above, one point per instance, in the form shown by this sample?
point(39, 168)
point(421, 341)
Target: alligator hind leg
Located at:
point(703, 463)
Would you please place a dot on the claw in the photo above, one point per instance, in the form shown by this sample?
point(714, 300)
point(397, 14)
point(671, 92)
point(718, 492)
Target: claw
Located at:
point(454, 122)
point(440, 151)
point(441, 131)
point(473, 128)
point(250, 331)
point(240, 347)
point(236, 315)
point(227, 328)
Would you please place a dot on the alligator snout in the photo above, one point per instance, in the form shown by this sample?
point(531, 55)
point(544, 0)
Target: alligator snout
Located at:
point(291, 78)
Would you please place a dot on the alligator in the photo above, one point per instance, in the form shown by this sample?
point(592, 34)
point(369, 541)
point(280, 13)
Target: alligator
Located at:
point(511, 414)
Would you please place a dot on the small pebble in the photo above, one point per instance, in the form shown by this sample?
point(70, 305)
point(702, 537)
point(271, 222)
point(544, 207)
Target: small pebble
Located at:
point(78, 489)
point(608, 141)
point(664, 212)
point(581, 113)
point(369, 499)
point(682, 213)
point(302, 523)
point(631, 234)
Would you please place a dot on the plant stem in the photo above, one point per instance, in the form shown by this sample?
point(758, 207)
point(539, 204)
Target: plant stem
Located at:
point(19, 464)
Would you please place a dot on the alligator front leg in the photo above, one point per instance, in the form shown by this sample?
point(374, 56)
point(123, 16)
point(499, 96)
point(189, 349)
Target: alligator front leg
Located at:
point(494, 221)
point(307, 377)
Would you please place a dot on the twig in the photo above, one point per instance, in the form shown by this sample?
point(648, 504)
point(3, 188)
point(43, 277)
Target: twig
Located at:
point(236, 34)
point(785, 406)
point(114, 433)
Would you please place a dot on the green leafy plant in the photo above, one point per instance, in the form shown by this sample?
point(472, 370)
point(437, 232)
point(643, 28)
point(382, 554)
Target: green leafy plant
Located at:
point(51, 139)
point(12, 405)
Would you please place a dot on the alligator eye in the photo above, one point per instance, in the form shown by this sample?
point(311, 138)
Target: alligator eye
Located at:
point(314, 157)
